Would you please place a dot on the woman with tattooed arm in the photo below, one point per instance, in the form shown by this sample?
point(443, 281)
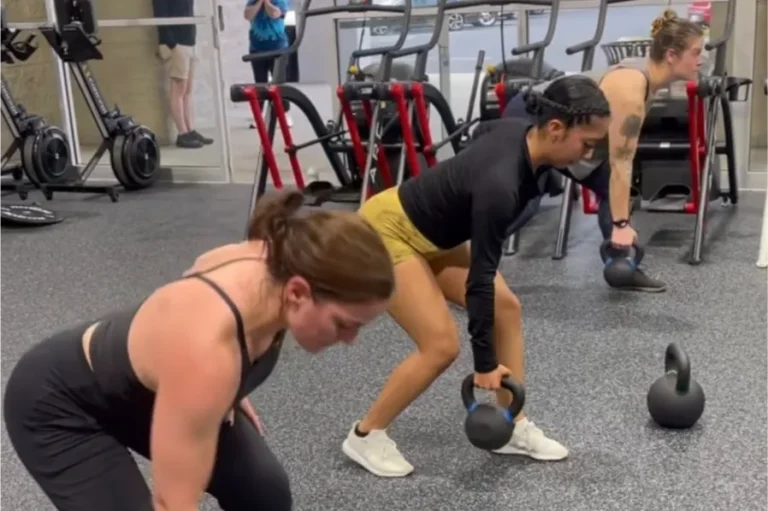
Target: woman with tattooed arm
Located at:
point(629, 86)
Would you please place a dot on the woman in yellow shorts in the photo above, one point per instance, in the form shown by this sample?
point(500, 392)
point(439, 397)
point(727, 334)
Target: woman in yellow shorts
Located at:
point(427, 223)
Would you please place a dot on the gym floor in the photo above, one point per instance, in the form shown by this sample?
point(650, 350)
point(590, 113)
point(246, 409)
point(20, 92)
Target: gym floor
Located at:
point(592, 353)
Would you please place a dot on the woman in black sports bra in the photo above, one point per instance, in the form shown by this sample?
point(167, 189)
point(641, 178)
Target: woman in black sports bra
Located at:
point(169, 379)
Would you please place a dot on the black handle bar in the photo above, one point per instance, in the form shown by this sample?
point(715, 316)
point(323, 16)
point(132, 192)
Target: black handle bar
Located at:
point(397, 45)
point(602, 13)
point(443, 6)
point(730, 17)
point(554, 10)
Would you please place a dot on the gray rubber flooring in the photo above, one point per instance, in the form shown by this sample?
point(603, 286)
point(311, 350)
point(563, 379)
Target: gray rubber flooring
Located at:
point(592, 354)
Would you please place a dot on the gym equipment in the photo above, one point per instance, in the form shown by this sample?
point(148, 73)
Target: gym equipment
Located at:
point(488, 426)
point(44, 149)
point(509, 72)
point(762, 254)
point(675, 400)
point(588, 48)
point(329, 135)
point(413, 98)
point(620, 267)
point(22, 215)
point(507, 87)
point(676, 167)
point(134, 152)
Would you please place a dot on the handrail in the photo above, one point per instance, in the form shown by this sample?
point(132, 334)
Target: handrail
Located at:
point(588, 46)
point(422, 50)
point(719, 44)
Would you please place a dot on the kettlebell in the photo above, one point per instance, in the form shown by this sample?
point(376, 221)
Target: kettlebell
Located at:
point(675, 400)
point(489, 426)
point(620, 267)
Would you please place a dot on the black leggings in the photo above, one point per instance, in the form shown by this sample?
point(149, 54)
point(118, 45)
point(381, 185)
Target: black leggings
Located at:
point(261, 71)
point(78, 453)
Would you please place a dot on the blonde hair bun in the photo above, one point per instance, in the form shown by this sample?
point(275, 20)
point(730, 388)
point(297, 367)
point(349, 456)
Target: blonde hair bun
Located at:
point(669, 15)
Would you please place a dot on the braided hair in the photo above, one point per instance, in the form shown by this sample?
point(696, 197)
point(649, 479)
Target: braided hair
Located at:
point(571, 100)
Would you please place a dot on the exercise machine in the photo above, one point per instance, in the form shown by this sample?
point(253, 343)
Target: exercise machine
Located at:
point(677, 165)
point(43, 149)
point(414, 97)
point(507, 87)
point(587, 48)
point(505, 79)
point(762, 255)
point(331, 135)
point(134, 151)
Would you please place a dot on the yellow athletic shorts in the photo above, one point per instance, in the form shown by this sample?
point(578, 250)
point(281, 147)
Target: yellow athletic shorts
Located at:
point(402, 239)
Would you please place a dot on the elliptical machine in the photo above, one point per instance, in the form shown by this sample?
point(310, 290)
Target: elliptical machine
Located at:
point(44, 149)
point(357, 113)
point(135, 154)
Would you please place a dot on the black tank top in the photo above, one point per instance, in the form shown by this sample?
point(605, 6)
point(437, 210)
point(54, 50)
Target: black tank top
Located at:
point(120, 385)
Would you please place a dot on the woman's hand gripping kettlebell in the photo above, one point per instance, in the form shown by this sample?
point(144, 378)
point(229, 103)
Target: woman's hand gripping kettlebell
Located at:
point(492, 380)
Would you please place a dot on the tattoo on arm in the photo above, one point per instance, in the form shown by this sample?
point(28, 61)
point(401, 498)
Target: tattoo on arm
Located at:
point(630, 130)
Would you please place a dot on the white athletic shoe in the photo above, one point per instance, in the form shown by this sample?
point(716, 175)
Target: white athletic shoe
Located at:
point(529, 440)
point(377, 453)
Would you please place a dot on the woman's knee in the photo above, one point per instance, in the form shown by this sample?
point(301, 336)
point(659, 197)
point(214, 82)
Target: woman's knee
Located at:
point(442, 348)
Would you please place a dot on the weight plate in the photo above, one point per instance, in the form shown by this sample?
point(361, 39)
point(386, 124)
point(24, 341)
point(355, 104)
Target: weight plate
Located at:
point(28, 158)
point(116, 158)
point(28, 215)
point(52, 156)
point(141, 157)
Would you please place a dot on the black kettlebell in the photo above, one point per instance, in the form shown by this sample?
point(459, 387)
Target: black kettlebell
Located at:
point(675, 400)
point(620, 265)
point(489, 426)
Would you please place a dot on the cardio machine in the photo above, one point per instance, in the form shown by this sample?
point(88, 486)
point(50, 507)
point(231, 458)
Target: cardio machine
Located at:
point(44, 149)
point(331, 136)
point(505, 87)
point(677, 165)
point(134, 151)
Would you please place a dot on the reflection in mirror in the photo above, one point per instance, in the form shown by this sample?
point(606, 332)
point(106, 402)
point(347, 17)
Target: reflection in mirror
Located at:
point(171, 91)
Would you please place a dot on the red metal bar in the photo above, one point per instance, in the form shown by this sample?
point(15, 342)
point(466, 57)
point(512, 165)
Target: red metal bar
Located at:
point(274, 95)
point(697, 142)
point(367, 111)
point(501, 95)
point(382, 164)
point(354, 135)
point(266, 144)
point(422, 115)
point(590, 201)
point(398, 93)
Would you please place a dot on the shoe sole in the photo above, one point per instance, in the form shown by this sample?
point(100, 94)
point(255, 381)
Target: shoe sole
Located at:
point(642, 289)
point(354, 456)
point(538, 457)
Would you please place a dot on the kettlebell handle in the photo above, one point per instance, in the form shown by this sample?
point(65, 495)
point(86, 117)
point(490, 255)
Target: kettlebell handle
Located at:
point(517, 390)
point(676, 360)
point(608, 252)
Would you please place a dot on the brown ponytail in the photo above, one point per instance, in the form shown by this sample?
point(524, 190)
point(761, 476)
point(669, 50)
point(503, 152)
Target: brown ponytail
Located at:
point(337, 252)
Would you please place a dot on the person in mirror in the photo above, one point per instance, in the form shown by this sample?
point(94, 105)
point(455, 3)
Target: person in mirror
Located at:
point(267, 33)
point(169, 378)
point(675, 54)
point(177, 52)
point(445, 229)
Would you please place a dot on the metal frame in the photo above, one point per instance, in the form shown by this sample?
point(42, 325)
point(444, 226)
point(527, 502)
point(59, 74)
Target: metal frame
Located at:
point(69, 120)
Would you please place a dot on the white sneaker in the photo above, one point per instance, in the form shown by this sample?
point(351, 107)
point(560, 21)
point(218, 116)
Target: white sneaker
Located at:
point(529, 440)
point(376, 453)
point(289, 120)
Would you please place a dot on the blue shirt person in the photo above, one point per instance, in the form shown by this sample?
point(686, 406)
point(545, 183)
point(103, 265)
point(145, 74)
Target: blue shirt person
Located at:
point(267, 31)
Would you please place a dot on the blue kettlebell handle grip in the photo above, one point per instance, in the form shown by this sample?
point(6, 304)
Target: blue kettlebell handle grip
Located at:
point(517, 390)
point(609, 253)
